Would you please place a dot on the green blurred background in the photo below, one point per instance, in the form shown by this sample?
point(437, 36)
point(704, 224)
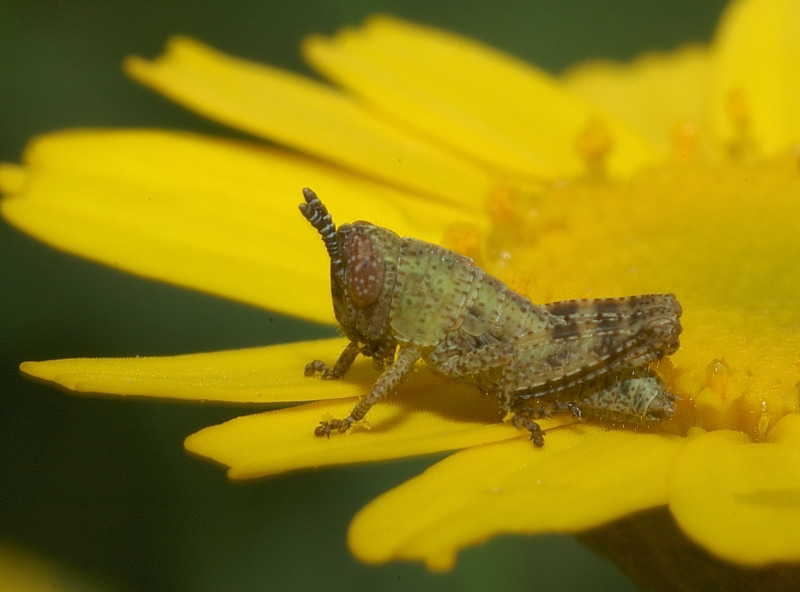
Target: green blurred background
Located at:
point(102, 487)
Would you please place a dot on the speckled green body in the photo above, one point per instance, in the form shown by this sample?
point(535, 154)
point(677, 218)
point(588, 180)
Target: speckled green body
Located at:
point(401, 299)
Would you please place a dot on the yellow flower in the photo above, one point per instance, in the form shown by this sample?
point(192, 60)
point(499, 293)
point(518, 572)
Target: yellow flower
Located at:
point(677, 173)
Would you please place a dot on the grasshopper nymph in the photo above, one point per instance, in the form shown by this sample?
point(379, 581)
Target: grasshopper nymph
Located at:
point(399, 300)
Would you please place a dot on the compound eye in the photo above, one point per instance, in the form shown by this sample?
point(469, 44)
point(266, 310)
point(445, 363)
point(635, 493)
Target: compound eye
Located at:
point(365, 269)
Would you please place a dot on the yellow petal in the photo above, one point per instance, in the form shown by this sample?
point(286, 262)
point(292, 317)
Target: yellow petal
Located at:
point(582, 477)
point(425, 415)
point(662, 96)
point(307, 115)
point(12, 177)
point(255, 375)
point(476, 100)
point(741, 500)
point(214, 215)
point(755, 88)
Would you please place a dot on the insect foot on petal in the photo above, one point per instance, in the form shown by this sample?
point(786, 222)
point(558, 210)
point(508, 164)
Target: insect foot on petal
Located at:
point(326, 426)
point(526, 423)
point(316, 367)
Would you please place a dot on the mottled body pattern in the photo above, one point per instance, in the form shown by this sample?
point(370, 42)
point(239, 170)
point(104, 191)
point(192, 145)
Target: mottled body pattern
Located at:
point(399, 300)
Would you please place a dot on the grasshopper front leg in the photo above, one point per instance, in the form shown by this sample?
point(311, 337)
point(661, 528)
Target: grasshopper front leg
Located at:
point(385, 384)
point(342, 365)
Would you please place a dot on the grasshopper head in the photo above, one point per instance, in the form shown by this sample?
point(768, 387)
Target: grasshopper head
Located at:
point(363, 270)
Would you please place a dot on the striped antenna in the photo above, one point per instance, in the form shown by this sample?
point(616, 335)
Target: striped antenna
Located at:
point(317, 214)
